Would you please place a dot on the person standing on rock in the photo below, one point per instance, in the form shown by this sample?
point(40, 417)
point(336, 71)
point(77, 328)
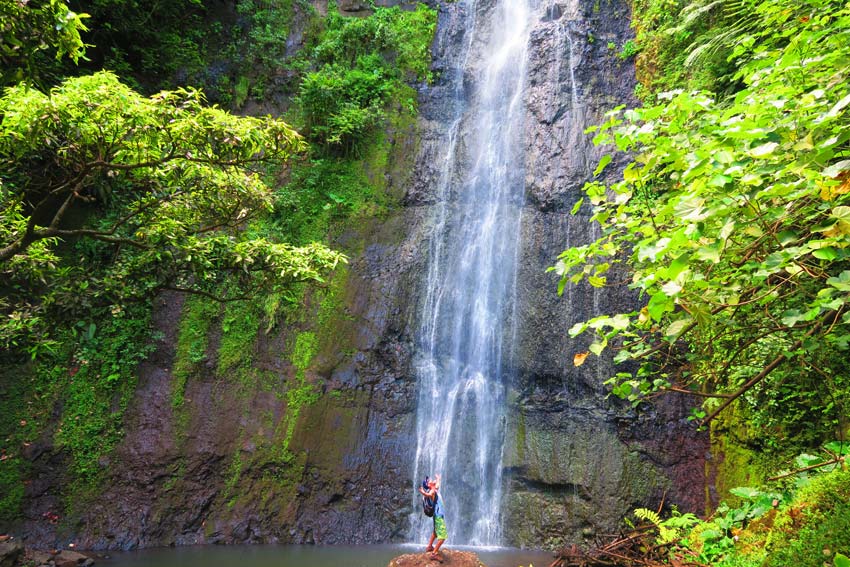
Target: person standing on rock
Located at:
point(439, 532)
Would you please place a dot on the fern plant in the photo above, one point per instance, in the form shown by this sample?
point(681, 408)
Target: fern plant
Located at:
point(737, 23)
point(671, 529)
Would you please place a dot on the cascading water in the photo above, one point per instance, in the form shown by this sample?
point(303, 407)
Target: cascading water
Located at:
point(467, 320)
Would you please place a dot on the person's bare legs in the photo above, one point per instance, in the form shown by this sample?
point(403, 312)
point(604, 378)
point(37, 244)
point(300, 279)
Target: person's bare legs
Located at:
point(431, 543)
point(436, 553)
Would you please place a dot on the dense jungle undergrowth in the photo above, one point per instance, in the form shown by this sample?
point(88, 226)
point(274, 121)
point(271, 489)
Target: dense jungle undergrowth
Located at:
point(113, 192)
point(733, 220)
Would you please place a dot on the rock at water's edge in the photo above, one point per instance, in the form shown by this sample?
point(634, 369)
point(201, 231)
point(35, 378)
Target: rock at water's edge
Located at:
point(451, 558)
point(10, 551)
point(72, 559)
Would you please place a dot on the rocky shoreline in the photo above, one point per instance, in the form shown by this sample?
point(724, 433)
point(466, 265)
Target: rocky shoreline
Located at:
point(14, 554)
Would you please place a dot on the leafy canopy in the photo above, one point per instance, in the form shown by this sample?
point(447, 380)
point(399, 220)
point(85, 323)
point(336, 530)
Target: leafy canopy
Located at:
point(153, 192)
point(29, 28)
point(734, 220)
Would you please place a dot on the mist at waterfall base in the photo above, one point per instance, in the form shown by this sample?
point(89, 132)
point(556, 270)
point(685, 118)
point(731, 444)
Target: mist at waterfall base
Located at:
point(301, 555)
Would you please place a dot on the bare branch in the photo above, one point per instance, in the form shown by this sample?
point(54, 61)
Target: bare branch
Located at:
point(769, 368)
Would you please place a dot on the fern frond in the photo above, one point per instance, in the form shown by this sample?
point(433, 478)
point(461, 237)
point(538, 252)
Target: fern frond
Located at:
point(682, 521)
point(690, 14)
point(667, 535)
point(648, 515)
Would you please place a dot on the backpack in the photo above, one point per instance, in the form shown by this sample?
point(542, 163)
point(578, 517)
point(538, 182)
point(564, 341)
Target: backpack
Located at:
point(428, 506)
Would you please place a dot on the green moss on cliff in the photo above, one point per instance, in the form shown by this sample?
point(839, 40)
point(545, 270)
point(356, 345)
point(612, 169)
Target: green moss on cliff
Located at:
point(100, 384)
point(737, 458)
point(22, 413)
point(199, 313)
point(239, 327)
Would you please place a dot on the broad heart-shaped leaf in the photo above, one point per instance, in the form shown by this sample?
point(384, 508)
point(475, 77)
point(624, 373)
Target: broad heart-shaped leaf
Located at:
point(598, 346)
point(791, 317)
point(710, 534)
point(690, 207)
point(842, 282)
point(764, 149)
point(606, 159)
point(841, 560)
point(577, 329)
point(806, 460)
point(677, 327)
point(651, 251)
point(838, 448)
point(842, 213)
point(659, 304)
point(828, 253)
point(745, 492)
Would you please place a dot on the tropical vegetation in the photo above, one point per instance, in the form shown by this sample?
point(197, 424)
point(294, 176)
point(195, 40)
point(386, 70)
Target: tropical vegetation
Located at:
point(120, 183)
point(731, 223)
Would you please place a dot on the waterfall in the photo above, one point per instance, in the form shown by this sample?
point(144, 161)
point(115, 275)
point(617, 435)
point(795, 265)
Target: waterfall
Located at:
point(467, 322)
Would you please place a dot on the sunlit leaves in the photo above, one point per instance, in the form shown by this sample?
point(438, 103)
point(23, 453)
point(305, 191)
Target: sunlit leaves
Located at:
point(734, 216)
point(162, 188)
point(32, 27)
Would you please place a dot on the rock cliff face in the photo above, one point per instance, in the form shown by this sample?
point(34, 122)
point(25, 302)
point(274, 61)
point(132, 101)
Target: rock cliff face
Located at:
point(212, 470)
point(578, 462)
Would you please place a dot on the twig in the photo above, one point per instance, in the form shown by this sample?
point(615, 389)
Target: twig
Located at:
point(766, 371)
point(810, 467)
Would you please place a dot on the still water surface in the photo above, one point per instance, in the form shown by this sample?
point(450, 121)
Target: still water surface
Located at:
point(304, 556)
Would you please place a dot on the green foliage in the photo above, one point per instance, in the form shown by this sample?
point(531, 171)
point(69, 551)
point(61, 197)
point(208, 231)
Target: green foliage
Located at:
point(629, 49)
point(148, 42)
point(363, 63)
point(672, 528)
point(403, 38)
point(264, 39)
point(199, 313)
point(22, 414)
point(30, 28)
point(734, 216)
point(814, 526)
point(239, 327)
point(101, 381)
point(341, 106)
point(155, 189)
point(768, 527)
point(674, 35)
point(77, 394)
point(324, 192)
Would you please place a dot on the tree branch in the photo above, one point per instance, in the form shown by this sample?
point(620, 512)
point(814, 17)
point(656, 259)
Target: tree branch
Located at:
point(767, 369)
point(811, 467)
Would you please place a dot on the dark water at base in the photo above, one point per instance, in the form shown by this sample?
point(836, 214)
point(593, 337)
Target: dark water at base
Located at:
point(304, 556)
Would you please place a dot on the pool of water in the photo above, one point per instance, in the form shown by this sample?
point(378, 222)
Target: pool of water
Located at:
point(304, 556)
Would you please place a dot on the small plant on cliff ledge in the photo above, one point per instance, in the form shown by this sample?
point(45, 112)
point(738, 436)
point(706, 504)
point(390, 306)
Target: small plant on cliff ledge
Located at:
point(628, 50)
